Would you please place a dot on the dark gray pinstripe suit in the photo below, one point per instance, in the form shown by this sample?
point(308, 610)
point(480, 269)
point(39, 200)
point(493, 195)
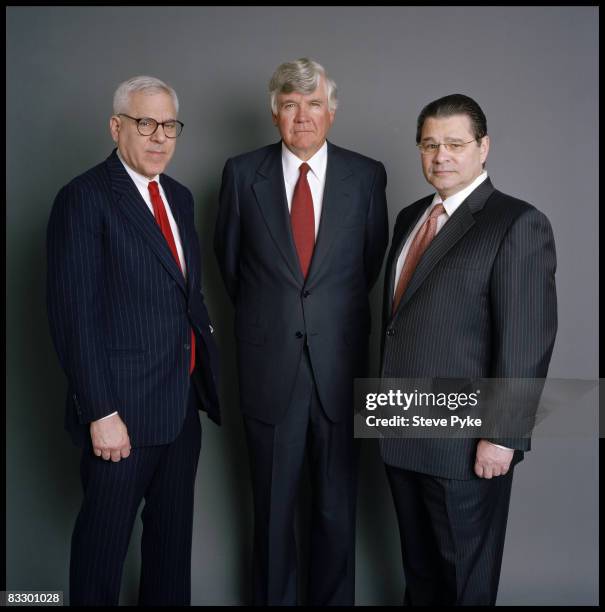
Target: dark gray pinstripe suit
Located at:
point(481, 303)
point(120, 313)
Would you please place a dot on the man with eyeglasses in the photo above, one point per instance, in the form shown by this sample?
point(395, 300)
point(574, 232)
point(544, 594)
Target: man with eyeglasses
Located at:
point(469, 293)
point(133, 336)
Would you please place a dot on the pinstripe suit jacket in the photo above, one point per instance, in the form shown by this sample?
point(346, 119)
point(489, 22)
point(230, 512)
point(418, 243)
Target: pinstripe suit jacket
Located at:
point(481, 303)
point(120, 309)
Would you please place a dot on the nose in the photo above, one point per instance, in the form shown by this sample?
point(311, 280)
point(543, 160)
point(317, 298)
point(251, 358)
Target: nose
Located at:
point(441, 154)
point(159, 135)
point(301, 114)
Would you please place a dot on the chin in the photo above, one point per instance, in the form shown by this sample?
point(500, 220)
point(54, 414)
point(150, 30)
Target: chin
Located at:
point(304, 143)
point(443, 183)
point(156, 170)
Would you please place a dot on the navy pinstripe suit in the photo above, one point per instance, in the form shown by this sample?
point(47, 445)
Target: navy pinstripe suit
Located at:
point(481, 304)
point(120, 313)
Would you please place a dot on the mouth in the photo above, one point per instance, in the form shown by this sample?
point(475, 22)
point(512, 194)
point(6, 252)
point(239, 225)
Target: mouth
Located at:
point(156, 153)
point(442, 172)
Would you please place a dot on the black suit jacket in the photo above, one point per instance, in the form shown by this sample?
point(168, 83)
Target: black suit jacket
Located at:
point(120, 309)
point(276, 310)
point(481, 304)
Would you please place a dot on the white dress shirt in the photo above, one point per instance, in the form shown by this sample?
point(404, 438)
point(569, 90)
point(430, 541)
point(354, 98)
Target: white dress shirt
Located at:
point(316, 177)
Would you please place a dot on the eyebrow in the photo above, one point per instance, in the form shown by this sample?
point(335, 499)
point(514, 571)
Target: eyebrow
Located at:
point(447, 139)
point(291, 101)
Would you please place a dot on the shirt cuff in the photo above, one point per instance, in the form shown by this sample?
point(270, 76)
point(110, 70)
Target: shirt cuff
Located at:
point(107, 416)
point(499, 445)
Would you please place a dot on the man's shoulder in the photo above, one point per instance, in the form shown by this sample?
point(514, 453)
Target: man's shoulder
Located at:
point(175, 187)
point(509, 206)
point(353, 158)
point(256, 157)
point(85, 194)
point(415, 206)
point(499, 198)
point(93, 178)
point(90, 186)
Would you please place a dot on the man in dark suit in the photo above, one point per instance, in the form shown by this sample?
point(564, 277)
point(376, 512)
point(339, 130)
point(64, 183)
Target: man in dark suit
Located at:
point(132, 333)
point(300, 237)
point(469, 293)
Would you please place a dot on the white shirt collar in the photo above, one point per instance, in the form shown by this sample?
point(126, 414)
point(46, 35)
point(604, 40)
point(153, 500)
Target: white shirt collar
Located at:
point(291, 163)
point(451, 204)
point(142, 182)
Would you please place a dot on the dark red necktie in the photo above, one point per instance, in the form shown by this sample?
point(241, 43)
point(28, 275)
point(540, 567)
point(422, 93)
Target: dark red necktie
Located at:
point(159, 210)
point(419, 244)
point(303, 219)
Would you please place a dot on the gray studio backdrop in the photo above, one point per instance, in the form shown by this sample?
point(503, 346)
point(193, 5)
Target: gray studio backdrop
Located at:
point(533, 70)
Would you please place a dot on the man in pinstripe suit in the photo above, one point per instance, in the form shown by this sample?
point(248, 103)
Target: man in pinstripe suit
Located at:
point(478, 302)
point(129, 324)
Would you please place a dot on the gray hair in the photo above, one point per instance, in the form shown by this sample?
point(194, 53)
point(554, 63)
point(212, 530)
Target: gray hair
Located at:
point(302, 76)
point(121, 97)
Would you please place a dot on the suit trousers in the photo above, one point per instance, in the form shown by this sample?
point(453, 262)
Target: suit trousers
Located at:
point(164, 476)
point(277, 453)
point(452, 536)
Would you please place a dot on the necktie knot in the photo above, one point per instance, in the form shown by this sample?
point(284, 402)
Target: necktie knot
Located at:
point(304, 168)
point(439, 209)
point(153, 188)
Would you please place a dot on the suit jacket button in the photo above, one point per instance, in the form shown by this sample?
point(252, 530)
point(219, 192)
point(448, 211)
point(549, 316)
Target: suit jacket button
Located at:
point(299, 334)
point(390, 331)
point(306, 294)
point(187, 347)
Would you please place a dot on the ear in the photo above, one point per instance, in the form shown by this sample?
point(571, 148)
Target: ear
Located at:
point(274, 118)
point(114, 127)
point(484, 148)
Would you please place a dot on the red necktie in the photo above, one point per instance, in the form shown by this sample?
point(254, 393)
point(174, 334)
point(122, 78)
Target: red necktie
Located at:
point(159, 210)
point(303, 220)
point(421, 241)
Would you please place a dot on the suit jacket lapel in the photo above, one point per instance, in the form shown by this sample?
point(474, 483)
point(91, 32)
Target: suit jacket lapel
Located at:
point(270, 193)
point(455, 228)
point(400, 234)
point(136, 211)
point(334, 207)
point(187, 241)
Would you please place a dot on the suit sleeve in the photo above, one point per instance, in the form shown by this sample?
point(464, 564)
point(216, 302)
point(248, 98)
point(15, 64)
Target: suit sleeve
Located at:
point(74, 281)
point(377, 227)
point(524, 313)
point(227, 231)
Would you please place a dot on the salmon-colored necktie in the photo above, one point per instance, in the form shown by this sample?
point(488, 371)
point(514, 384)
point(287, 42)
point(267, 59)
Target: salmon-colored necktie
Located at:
point(421, 241)
point(302, 219)
point(159, 210)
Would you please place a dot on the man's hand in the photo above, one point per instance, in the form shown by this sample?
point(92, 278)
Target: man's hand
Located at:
point(492, 461)
point(110, 438)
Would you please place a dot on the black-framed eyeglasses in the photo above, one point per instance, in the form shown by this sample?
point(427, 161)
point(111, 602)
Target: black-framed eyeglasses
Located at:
point(428, 148)
point(147, 126)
